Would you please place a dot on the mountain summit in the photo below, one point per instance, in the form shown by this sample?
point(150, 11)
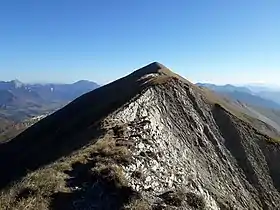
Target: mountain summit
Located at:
point(150, 140)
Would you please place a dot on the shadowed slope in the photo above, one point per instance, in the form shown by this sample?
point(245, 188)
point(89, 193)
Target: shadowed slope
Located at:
point(73, 126)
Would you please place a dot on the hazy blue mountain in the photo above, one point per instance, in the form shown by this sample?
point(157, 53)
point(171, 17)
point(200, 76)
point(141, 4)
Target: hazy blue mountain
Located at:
point(19, 100)
point(270, 95)
point(68, 92)
point(224, 88)
point(256, 88)
point(270, 92)
point(245, 95)
point(254, 100)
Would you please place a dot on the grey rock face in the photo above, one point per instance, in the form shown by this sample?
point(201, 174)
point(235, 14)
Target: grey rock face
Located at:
point(182, 143)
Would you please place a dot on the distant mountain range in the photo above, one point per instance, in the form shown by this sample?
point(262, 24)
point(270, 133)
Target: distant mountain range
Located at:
point(19, 101)
point(252, 95)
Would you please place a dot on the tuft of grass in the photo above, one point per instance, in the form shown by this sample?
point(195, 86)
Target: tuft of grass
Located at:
point(110, 173)
point(107, 148)
point(174, 198)
point(195, 201)
point(138, 204)
point(33, 191)
point(273, 140)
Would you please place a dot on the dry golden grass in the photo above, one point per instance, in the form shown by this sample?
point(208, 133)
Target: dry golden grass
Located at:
point(274, 140)
point(112, 173)
point(161, 79)
point(35, 190)
point(139, 204)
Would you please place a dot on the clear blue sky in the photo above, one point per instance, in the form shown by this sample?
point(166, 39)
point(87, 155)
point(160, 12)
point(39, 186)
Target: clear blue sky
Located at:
point(217, 41)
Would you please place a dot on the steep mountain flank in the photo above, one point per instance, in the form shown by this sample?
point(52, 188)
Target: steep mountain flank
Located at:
point(151, 140)
point(244, 94)
point(253, 103)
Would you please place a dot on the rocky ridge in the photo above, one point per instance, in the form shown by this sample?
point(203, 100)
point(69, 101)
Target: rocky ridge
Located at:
point(184, 143)
point(170, 146)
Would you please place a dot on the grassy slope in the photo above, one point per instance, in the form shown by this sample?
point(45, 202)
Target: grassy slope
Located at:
point(240, 111)
point(70, 179)
point(80, 120)
point(65, 141)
